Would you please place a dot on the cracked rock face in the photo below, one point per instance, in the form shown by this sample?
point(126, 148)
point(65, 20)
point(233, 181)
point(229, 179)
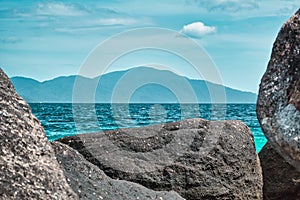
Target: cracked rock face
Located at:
point(28, 168)
point(198, 159)
point(278, 105)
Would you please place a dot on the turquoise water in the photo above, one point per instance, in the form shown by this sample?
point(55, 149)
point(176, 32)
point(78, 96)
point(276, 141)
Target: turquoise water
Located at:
point(59, 119)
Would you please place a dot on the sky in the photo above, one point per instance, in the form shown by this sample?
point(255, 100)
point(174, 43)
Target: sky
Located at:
point(47, 39)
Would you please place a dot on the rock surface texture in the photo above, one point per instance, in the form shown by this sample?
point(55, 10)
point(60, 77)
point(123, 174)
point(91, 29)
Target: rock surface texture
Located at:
point(278, 105)
point(281, 180)
point(89, 182)
point(196, 158)
point(28, 168)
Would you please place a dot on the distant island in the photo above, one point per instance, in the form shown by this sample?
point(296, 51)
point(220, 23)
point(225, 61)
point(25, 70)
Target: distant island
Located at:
point(60, 89)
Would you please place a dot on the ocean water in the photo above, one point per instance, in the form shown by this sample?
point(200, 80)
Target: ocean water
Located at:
point(65, 119)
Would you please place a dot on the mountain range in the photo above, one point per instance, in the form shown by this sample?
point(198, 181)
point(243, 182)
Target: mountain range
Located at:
point(167, 87)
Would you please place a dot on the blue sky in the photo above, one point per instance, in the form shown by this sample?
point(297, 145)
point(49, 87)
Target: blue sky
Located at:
point(46, 39)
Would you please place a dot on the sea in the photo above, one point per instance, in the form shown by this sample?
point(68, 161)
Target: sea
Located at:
point(65, 119)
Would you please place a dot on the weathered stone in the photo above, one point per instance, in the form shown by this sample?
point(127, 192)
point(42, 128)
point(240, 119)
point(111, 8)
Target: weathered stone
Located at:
point(89, 182)
point(278, 105)
point(198, 159)
point(28, 169)
point(281, 180)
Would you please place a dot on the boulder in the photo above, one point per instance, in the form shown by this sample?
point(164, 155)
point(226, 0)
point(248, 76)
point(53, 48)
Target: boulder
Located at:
point(28, 166)
point(89, 182)
point(281, 180)
point(199, 159)
point(278, 104)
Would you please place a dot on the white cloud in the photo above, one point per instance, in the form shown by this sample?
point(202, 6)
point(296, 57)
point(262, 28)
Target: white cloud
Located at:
point(60, 9)
point(197, 29)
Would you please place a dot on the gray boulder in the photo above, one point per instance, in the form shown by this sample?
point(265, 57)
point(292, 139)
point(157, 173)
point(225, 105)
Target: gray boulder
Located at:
point(28, 166)
point(199, 159)
point(278, 104)
point(281, 180)
point(89, 182)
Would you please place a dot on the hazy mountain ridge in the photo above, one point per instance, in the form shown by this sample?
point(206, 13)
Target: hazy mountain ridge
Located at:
point(60, 89)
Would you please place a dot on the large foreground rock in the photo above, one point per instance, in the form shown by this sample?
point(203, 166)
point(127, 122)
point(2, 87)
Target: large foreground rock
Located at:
point(278, 105)
point(28, 169)
point(281, 180)
point(196, 158)
point(89, 182)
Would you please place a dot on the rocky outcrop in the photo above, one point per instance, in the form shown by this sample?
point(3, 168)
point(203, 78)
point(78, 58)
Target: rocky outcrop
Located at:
point(278, 105)
point(281, 180)
point(196, 158)
point(89, 182)
point(278, 111)
point(27, 161)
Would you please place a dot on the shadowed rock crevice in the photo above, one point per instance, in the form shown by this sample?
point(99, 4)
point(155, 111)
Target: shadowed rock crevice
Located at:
point(198, 140)
point(279, 176)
